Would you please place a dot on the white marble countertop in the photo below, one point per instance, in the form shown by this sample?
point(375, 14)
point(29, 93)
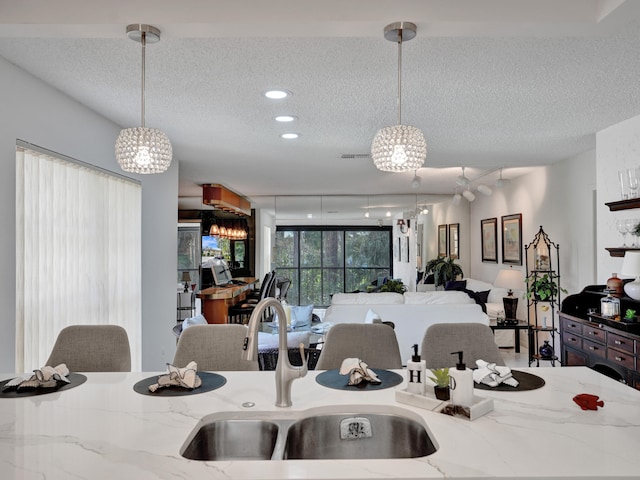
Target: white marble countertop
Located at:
point(104, 430)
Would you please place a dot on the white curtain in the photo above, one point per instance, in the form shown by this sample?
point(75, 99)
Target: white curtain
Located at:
point(78, 253)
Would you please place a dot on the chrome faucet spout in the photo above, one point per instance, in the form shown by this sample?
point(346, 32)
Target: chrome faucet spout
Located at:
point(285, 372)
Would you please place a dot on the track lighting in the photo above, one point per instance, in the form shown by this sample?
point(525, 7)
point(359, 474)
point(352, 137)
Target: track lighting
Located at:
point(468, 194)
point(502, 182)
point(484, 189)
point(462, 181)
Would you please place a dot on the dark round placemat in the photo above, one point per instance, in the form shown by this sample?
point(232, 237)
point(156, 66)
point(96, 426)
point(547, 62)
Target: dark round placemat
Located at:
point(75, 378)
point(333, 379)
point(527, 381)
point(210, 381)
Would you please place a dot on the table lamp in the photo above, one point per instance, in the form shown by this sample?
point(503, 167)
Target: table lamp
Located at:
point(186, 278)
point(631, 267)
point(509, 278)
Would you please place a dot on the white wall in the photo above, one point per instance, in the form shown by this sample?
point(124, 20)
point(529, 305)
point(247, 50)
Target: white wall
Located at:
point(560, 198)
point(445, 213)
point(618, 147)
point(38, 114)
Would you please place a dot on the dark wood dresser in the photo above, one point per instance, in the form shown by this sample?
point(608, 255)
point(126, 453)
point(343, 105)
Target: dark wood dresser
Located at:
point(605, 345)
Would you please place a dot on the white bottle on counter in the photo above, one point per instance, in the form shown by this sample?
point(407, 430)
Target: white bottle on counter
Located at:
point(416, 371)
point(461, 383)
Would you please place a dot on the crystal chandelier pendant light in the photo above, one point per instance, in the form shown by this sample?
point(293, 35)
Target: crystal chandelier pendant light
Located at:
point(399, 148)
point(141, 149)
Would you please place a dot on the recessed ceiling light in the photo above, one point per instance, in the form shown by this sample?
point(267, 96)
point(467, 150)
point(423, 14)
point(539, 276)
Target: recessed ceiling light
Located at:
point(388, 214)
point(285, 118)
point(309, 215)
point(289, 136)
point(277, 94)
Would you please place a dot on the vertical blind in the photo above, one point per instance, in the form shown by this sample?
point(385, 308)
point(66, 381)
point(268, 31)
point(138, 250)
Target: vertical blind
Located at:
point(78, 253)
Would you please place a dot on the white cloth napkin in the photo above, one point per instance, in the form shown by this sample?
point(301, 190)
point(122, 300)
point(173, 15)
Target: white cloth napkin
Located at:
point(358, 371)
point(493, 375)
point(45, 377)
point(178, 377)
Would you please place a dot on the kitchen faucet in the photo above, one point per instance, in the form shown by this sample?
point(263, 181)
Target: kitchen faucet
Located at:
point(285, 372)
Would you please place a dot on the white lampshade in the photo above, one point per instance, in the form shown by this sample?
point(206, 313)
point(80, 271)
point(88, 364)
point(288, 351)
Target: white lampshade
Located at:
point(509, 278)
point(631, 267)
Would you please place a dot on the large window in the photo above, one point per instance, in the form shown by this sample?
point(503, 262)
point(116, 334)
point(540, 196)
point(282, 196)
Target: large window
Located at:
point(78, 253)
point(321, 261)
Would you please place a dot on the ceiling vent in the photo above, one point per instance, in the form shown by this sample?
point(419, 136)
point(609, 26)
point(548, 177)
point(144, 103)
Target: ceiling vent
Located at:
point(222, 198)
point(355, 155)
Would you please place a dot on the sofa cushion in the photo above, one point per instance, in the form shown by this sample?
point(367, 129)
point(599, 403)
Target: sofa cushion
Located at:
point(455, 285)
point(482, 296)
point(438, 297)
point(478, 285)
point(380, 298)
point(301, 315)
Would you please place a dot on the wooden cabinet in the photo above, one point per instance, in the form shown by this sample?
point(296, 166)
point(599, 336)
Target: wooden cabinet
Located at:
point(601, 347)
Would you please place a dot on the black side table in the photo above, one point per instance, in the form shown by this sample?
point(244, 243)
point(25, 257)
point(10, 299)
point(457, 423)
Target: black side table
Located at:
point(516, 327)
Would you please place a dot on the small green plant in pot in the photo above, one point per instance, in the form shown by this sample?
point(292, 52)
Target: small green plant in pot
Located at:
point(444, 269)
point(544, 287)
point(441, 379)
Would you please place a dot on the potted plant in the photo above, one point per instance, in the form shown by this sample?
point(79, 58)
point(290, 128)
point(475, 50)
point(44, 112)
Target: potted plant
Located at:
point(393, 286)
point(444, 269)
point(544, 287)
point(441, 380)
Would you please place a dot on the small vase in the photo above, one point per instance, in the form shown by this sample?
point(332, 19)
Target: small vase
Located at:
point(442, 393)
point(546, 350)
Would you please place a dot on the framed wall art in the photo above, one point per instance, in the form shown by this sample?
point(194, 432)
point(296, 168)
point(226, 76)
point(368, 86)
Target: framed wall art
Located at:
point(442, 240)
point(512, 239)
point(454, 240)
point(489, 236)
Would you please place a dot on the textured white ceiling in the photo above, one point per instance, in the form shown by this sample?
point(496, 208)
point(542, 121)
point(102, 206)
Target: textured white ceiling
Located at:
point(492, 83)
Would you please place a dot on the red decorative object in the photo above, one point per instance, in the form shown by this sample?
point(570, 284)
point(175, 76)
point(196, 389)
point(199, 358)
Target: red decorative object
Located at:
point(588, 401)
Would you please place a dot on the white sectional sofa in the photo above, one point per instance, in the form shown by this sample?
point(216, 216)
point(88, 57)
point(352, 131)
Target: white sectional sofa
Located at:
point(412, 312)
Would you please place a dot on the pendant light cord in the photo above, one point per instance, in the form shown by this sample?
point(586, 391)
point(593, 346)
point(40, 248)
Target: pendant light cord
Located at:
point(143, 42)
point(400, 76)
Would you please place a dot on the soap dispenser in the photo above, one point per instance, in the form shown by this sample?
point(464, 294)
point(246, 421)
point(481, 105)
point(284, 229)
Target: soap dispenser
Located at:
point(461, 383)
point(416, 371)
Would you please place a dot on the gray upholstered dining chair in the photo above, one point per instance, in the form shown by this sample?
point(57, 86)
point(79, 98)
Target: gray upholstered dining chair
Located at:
point(215, 347)
point(92, 348)
point(476, 340)
point(374, 343)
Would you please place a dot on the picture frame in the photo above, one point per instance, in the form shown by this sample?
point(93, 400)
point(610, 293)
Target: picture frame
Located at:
point(512, 239)
point(405, 249)
point(489, 238)
point(454, 240)
point(442, 241)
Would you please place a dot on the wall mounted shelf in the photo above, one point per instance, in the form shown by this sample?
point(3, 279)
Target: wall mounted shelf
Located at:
point(623, 204)
point(620, 251)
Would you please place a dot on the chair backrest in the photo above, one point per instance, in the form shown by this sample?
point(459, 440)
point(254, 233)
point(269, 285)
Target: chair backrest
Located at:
point(474, 339)
point(92, 348)
point(266, 282)
point(270, 291)
point(375, 344)
point(215, 347)
point(283, 285)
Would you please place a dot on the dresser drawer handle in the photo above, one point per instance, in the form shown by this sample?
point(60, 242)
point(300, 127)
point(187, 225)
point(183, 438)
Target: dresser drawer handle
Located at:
point(573, 339)
point(618, 359)
point(573, 325)
point(593, 348)
point(591, 332)
point(618, 342)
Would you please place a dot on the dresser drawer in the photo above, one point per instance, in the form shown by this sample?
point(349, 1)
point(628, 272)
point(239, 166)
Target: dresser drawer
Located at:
point(620, 343)
point(570, 326)
point(572, 340)
point(594, 334)
point(621, 358)
point(595, 348)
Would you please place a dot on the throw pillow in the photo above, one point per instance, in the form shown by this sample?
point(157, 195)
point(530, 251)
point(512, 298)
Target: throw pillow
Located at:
point(301, 315)
point(197, 320)
point(483, 296)
point(456, 285)
point(372, 317)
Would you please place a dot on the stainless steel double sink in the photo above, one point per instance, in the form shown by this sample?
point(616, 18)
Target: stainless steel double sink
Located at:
point(332, 432)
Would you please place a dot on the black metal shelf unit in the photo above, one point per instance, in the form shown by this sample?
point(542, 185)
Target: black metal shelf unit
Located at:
point(542, 262)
